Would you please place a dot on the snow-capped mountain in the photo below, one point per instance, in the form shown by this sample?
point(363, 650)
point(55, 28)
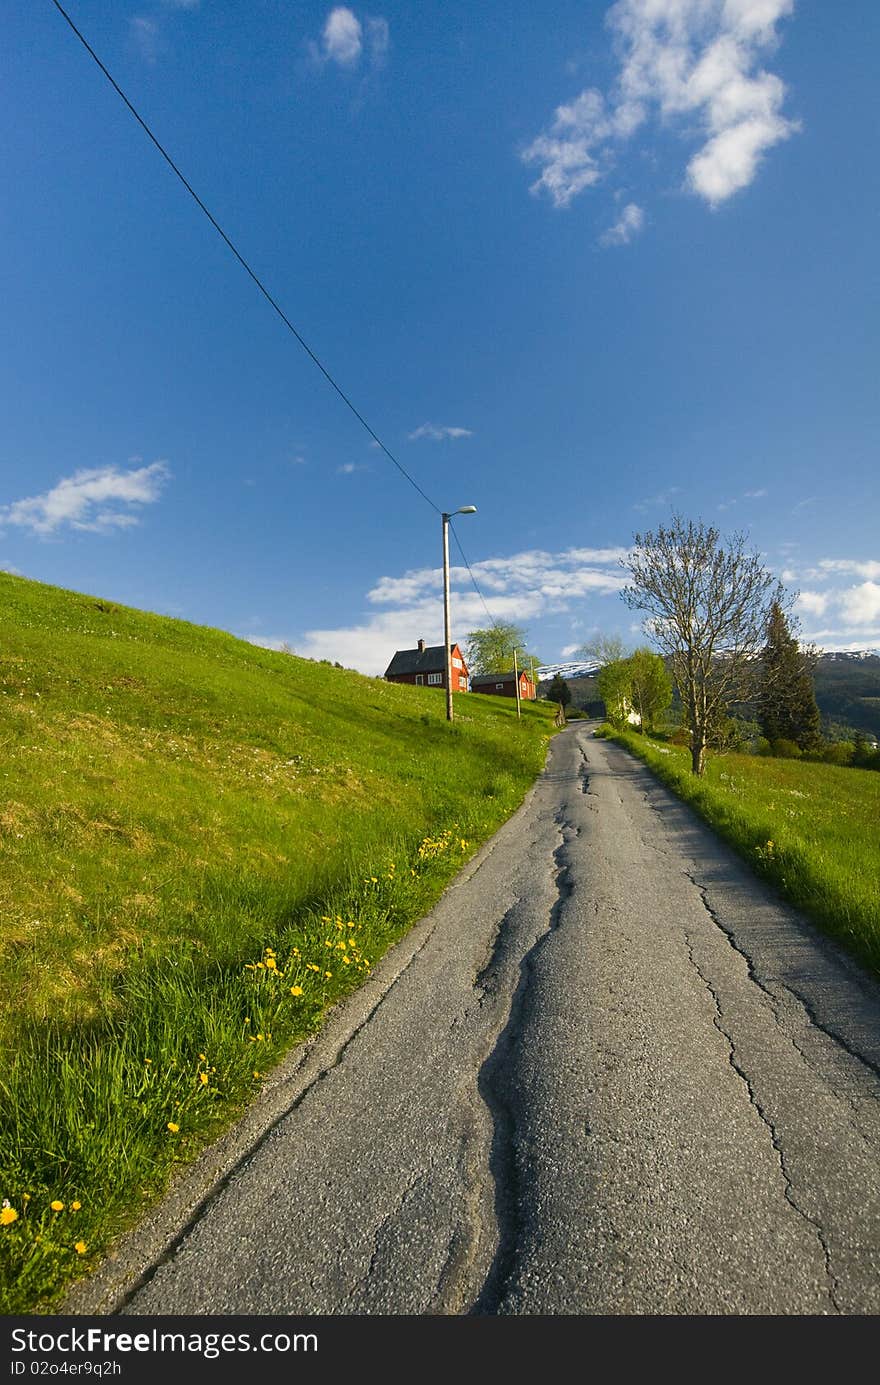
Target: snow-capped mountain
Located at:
point(851, 654)
point(579, 668)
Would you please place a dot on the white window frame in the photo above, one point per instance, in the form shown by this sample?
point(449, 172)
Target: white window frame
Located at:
point(420, 678)
point(435, 680)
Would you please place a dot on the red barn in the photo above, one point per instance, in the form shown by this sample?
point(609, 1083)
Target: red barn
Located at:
point(504, 685)
point(426, 665)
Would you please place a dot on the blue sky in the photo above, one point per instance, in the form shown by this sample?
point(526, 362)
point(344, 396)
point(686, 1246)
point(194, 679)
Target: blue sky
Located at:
point(578, 271)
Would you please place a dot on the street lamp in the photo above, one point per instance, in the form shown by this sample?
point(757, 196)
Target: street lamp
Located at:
point(464, 510)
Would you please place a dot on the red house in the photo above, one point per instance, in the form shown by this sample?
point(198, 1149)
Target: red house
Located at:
point(426, 665)
point(504, 685)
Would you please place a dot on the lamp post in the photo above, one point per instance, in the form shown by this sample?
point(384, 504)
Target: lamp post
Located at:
point(463, 510)
point(516, 685)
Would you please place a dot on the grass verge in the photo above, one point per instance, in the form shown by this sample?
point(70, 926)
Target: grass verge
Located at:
point(810, 829)
point(204, 845)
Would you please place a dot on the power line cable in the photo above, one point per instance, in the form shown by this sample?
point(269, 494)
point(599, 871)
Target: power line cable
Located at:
point(265, 292)
point(242, 261)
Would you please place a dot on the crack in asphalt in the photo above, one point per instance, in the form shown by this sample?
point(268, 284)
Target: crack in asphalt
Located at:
point(494, 1087)
point(771, 995)
point(742, 1074)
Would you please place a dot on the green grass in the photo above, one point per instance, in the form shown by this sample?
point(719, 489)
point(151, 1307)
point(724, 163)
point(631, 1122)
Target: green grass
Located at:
point(190, 828)
point(809, 828)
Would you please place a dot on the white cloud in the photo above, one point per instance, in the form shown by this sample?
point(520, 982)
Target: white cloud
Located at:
point(860, 605)
point(813, 603)
point(342, 38)
point(345, 40)
point(88, 500)
point(520, 588)
point(430, 430)
point(13, 571)
point(692, 64)
point(145, 36)
point(869, 569)
point(628, 224)
point(348, 468)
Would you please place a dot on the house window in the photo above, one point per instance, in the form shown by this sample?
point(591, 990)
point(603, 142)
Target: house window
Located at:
point(456, 663)
point(499, 687)
point(435, 678)
point(420, 678)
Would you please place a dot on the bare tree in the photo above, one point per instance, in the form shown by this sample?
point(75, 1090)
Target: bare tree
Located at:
point(707, 606)
point(605, 649)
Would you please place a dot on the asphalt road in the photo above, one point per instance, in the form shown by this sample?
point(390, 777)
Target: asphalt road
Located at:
point(610, 1073)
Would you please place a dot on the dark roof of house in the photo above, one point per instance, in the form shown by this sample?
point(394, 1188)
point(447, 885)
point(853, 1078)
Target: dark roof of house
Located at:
point(506, 677)
point(427, 660)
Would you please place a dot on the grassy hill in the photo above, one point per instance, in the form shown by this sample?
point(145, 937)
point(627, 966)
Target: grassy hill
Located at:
point(203, 845)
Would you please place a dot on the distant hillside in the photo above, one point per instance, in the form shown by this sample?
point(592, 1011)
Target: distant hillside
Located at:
point(848, 689)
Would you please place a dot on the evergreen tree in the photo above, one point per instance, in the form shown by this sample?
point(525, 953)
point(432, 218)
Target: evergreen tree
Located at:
point(787, 701)
point(559, 691)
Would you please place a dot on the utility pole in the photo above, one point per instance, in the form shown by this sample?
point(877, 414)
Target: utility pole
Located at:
point(516, 684)
point(447, 651)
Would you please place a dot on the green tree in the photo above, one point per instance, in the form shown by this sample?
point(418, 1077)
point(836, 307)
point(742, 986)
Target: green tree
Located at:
point(650, 686)
point(786, 697)
point(491, 651)
point(615, 689)
point(559, 691)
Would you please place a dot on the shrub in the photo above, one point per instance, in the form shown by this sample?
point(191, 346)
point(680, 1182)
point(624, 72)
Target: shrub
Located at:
point(606, 729)
point(762, 746)
point(681, 736)
point(784, 749)
point(838, 753)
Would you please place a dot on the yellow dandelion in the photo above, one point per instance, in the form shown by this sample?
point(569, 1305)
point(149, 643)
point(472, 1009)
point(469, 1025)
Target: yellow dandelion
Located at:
point(203, 1078)
point(296, 990)
point(328, 975)
point(75, 1206)
point(7, 1216)
point(173, 1127)
point(80, 1247)
point(374, 879)
point(25, 1197)
point(57, 1206)
point(260, 1038)
point(271, 964)
point(347, 961)
point(325, 919)
point(257, 1074)
point(148, 1061)
point(203, 1057)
